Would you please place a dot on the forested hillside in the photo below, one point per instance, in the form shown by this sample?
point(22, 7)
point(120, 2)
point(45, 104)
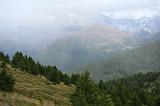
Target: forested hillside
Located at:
point(29, 65)
point(142, 59)
point(24, 82)
point(137, 90)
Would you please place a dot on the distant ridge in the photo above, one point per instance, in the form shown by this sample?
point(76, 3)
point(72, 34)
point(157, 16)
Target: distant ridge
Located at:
point(82, 47)
point(142, 59)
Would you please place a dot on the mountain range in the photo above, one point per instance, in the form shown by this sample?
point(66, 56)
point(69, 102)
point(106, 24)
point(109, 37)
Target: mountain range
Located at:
point(81, 47)
point(100, 40)
point(75, 41)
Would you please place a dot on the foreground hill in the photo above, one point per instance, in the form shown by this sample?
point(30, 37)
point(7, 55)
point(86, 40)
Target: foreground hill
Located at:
point(141, 59)
point(33, 90)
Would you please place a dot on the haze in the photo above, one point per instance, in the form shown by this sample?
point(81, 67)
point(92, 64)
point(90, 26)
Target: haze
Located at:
point(35, 12)
point(39, 22)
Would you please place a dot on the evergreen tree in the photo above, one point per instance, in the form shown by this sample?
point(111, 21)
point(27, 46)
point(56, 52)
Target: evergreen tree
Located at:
point(67, 79)
point(74, 78)
point(6, 81)
point(4, 58)
point(87, 93)
point(135, 101)
point(101, 84)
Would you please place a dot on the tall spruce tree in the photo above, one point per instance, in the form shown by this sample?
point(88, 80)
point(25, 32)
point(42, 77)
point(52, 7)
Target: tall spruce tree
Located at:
point(87, 93)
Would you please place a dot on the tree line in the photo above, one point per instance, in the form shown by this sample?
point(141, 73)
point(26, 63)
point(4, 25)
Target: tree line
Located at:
point(29, 65)
point(137, 90)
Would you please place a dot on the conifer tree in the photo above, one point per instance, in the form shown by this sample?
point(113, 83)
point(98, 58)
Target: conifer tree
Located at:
point(87, 93)
point(6, 81)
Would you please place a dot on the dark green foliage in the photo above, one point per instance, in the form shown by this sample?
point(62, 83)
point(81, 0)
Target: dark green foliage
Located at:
point(67, 79)
point(74, 78)
point(6, 81)
point(25, 63)
point(29, 65)
point(4, 57)
point(140, 89)
point(156, 101)
point(101, 84)
point(88, 94)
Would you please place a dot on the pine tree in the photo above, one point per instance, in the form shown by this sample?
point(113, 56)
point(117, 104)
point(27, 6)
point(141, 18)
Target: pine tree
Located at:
point(4, 58)
point(74, 78)
point(29, 65)
point(6, 81)
point(101, 84)
point(135, 101)
point(67, 80)
point(87, 93)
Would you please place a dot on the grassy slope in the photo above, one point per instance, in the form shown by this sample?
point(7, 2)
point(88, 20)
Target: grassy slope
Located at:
point(35, 91)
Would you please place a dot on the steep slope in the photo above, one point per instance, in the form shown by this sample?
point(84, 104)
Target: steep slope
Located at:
point(81, 47)
point(35, 91)
point(141, 59)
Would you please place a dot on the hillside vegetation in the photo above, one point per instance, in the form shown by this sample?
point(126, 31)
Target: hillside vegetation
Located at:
point(30, 90)
point(137, 90)
point(142, 59)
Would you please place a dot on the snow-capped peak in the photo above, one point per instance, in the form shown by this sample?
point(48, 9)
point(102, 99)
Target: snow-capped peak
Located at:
point(133, 14)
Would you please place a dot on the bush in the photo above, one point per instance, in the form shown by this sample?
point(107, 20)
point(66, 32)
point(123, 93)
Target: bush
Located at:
point(6, 81)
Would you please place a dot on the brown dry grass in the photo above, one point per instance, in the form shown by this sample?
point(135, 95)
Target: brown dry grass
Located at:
point(33, 90)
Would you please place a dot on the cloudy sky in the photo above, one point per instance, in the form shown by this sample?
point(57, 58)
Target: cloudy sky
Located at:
point(41, 11)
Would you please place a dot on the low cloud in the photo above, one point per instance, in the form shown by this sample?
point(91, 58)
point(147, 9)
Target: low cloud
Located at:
point(40, 11)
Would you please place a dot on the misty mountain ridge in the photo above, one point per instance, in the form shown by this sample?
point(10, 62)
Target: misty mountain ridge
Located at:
point(82, 47)
point(143, 23)
point(58, 27)
point(129, 62)
point(61, 41)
